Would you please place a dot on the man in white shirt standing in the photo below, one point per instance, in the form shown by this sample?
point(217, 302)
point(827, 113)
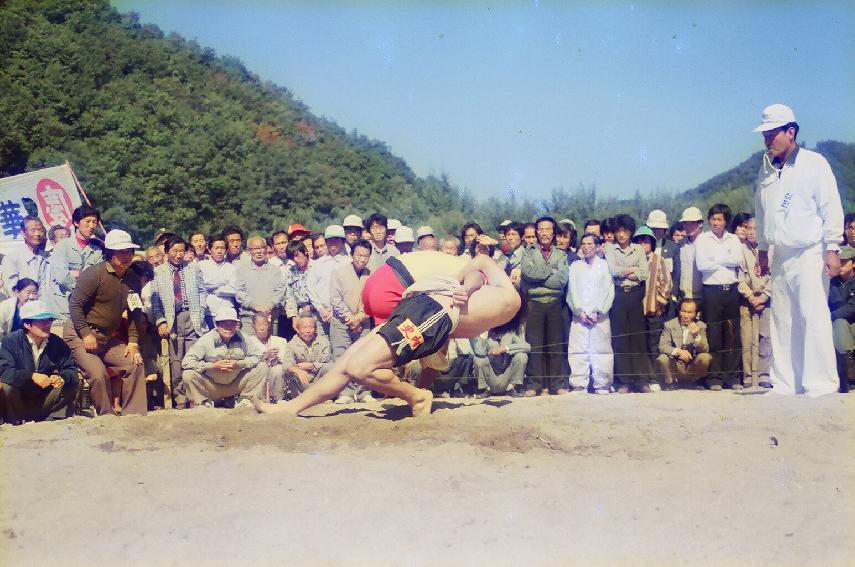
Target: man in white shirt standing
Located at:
point(319, 274)
point(798, 214)
point(218, 277)
point(718, 254)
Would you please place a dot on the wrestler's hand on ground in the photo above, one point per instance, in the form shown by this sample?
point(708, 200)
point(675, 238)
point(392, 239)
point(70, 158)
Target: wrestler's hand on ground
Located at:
point(90, 343)
point(41, 380)
point(133, 350)
point(832, 263)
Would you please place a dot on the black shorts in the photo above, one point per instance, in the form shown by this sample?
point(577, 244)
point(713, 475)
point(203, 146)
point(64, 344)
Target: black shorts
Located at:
point(417, 328)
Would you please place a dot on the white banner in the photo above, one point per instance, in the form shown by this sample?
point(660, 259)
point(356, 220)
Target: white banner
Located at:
point(50, 194)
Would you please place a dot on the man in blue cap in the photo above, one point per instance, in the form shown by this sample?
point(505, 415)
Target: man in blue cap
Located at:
point(37, 372)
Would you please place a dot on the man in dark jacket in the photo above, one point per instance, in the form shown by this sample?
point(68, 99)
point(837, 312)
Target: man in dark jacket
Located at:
point(37, 373)
point(841, 302)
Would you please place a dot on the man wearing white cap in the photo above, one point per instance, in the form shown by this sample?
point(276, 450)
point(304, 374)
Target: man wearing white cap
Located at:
point(426, 239)
point(96, 304)
point(404, 239)
point(687, 278)
point(38, 378)
point(319, 274)
point(222, 364)
point(657, 221)
point(352, 230)
point(391, 228)
point(798, 214)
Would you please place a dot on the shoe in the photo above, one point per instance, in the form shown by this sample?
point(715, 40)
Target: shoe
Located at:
point(530, 393)
point(578, 390)
point(561, 392)
point(623, 389)
point(602, 391)
point(655, 387)
point(444, 395)
point(545, 392)
point(482, 394)
point(344, 399)
point(736, 386)
point(644, 389)
point(715, 388)
point(366, 398)
point(243, 403)
point(205, 404)
point(766, 385)
point(514, 393)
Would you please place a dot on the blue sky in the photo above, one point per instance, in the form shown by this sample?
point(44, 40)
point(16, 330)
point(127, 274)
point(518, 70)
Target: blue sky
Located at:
point(527, 97)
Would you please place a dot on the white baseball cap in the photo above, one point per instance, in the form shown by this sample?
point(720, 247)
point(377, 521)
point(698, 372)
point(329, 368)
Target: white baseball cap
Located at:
point(404, 234)
point(393, 224)
point(568, 221)
point(34, 310)
point(692, 214)
point(424, 230)
point(227, 314)
point(352, 220)
point(657, 219)
point(118, 240)
point(775, 116)
point(334, 231)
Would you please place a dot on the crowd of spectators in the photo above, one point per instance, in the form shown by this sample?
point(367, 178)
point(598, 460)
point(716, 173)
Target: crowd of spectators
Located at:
point(617, 307)
point(620, 308)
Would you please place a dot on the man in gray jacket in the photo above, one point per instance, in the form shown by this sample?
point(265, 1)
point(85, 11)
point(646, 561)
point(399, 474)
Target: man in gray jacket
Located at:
point(544, 274)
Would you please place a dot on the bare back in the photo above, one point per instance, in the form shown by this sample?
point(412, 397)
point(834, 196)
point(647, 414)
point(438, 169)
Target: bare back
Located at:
point(429, 263)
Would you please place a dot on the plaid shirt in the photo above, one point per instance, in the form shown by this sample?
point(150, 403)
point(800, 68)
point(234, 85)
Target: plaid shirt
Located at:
point(297, 295)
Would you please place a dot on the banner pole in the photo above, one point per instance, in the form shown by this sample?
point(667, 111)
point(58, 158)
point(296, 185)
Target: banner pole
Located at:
point(82, 191)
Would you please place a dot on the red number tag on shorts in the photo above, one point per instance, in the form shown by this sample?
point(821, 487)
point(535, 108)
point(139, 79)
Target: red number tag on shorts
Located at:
point(411, 333)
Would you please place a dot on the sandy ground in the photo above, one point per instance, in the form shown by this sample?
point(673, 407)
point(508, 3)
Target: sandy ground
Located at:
point(675, 478)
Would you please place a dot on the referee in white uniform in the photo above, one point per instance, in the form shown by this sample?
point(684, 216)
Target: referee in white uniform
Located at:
point(800, 218)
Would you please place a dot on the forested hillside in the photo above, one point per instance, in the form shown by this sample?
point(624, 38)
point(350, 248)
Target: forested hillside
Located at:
point(164, 132)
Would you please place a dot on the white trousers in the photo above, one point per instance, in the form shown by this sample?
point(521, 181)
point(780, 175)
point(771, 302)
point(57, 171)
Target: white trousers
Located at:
point(589, 351)
point(802, 346)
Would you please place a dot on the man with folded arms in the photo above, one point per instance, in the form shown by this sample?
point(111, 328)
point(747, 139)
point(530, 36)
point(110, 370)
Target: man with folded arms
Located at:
point(37, 373)
point(96, 304)
point(223, 363)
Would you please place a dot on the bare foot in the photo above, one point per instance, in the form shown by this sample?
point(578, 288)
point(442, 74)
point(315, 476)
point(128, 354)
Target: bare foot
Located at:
point(264, 407)
point(422, 404)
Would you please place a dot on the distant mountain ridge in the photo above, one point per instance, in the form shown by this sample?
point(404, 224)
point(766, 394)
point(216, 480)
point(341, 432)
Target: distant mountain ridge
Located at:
point(164, 133)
